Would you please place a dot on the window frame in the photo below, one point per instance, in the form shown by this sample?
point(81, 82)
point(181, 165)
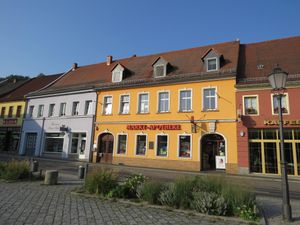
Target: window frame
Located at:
point(117, 144)
point(138, 105)
point(135, 144)
point(19, 111)
point(30, 111)
point(244, 106)
point(287, 105)
point(216, 99)
point(104, 104)
point(158, 101)
point(179, 91)
point(156, 145)
point(51, 110)
point(86, 109)
point(10, 111)
point(178, 146)
point(120, 104)
point(40, 112)
point(61, 113)
point(217, 64)
point(75, 113)
point(3, 111)
point(164, 70)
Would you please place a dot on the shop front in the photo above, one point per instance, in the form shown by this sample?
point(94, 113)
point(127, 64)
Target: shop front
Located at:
point(9, 135)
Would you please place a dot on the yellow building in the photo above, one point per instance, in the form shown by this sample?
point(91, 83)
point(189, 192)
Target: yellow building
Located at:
point(174, 110)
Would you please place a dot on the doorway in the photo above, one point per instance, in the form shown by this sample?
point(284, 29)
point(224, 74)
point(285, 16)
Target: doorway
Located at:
point(30, 144)
point(105, 147)
point(212, 152)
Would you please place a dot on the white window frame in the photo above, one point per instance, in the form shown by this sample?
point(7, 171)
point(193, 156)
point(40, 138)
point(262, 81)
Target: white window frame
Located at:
point(61, 113)
point(155, 68)
point(114, 80)
point(156, 145)
point(86, 109)
point(135, 144)
point(217, 64)
point(163, 91)
point(120, 104)
point(287, 104)
point(185, 89)
point(138, 103)
point(49, 115)
point(30, 111)
point(216, 99)
point(75, 113)
point(40, 112)
point(117, 144)
point(244, 107)
point(178, 146)
point(103, 105)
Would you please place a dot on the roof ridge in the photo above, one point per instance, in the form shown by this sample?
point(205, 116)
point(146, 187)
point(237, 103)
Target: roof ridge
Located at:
point(273, 40)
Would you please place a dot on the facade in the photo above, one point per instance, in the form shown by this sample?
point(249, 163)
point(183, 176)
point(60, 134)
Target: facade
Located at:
point(257, 130)
point(172, 110)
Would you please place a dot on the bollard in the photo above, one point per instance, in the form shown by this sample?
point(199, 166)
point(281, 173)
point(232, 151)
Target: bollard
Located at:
point(81, 172)
point(34, 166)
point(51, 177)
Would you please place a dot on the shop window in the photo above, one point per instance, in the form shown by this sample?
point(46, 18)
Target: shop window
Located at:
point(124, 104)
point(185, 146)
point(3, 109)
point(288, 134)
point(54, 142)
point(75, 109)
point(10, 111)
point(270, 134)
point(297, 134)
point(30, 112)
point(288, 153)
point(40, 111)
point(254, 134)
point(51, 110)
point(298, 156)
point(185, 102)
point(162, 145)
point(107, 105)
point(88, 107)
point(141, 144)
point(255, 157)
point(78, 143)
point(250, 105)
point(271, 157)
point(163, 101)
point(209, 99)
point(284, 104)
point(62, 111)
point(122, 144)
point(19, 109)
point(143, 103)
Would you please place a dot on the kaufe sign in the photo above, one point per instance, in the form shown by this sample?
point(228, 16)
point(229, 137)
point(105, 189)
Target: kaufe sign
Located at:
point(154, 127)
point(285, 122)
point(10, 121)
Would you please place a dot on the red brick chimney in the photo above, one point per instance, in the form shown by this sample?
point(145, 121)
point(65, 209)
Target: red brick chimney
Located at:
point(109, 59)
point(75, 66)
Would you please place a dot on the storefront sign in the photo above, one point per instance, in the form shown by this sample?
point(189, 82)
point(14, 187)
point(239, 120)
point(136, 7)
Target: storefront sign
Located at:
point(285, 122)
point(220, 162)
point(154, 127)
point(10, 121)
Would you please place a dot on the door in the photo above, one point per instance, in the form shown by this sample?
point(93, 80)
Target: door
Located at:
point(105, 147)
point(30, 144)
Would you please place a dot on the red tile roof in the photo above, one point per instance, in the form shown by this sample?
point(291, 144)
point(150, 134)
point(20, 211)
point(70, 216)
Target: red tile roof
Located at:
point(266, 55)
point(32, 85)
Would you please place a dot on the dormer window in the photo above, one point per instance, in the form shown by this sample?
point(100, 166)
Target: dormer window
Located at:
point(117, 73)
point(160, 68)
point(211, 60)
point(212, 64)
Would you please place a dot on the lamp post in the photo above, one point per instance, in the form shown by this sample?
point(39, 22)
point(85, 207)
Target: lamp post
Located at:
point(277, 80)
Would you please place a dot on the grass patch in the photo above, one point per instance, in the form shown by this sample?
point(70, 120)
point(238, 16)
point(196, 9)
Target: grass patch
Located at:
point(14, 170)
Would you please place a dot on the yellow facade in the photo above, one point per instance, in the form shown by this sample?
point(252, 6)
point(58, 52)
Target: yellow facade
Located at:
point(14, 106)
point(221, 121)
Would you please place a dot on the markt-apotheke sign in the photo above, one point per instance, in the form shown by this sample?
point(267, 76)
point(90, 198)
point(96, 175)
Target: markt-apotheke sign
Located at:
point(154, 127)
point(10, 121)
point(285, 122)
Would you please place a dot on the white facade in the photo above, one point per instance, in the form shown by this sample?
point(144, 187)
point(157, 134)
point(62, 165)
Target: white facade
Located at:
point(61, 125)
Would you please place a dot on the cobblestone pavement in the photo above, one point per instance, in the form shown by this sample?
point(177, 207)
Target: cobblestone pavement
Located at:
point(33, 203)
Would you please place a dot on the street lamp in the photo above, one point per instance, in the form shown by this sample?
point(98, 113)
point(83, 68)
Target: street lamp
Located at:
point(277, 80)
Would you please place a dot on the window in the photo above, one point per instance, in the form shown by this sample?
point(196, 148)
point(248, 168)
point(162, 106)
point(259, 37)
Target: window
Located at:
point(159, 71)
point(40, 111)
point(209, 99)
point(250, 105)
point(141, 144)
point(163, 101)
point(30, 112)
point(107, 105)
point(54, 142)
point(3, 109)
point(185, 102)
point(88, 107)
point(184, 146)
point(10, 111)
point(78, 143)
point(212, 64)
point(143, 103)
point(75, 108)
point(122, 144)
point(284, 104)
point(117, 76)
point(51, 110)
point(124, 104)
point(162, 145)
point(19, 109)
point(62, 111)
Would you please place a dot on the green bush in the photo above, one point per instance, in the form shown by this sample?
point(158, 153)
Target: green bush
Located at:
point(101, 181)
point(248, 212)
point(14, 170)
point(168, 195)
point(150, 191)
point(131, 185)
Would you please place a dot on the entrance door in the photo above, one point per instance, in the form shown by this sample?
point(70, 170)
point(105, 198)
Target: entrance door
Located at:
point(212, 152)
point(105, 147)
point(30, 144)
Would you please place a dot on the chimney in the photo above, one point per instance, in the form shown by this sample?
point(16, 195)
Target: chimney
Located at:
point(109, 59)
point(75, 66)
point(133, 56)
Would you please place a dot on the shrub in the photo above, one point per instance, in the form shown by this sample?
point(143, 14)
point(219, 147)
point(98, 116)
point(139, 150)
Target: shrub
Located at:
point(209, 203)
point(131, 185)
point(183, 192)
point(150, 191)
point(14, 170)
point(248, 212)
point(101, 181)
point(167, 196)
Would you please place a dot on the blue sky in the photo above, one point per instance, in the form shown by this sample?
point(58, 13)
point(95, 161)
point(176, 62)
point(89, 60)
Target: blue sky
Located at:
point(40, 36)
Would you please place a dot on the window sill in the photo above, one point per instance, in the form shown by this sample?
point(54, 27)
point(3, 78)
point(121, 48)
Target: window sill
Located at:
point(210, 110)
point(163, 112)
point(191, 111)
point(140, 113)
point(106, 114)
point(123, 114)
